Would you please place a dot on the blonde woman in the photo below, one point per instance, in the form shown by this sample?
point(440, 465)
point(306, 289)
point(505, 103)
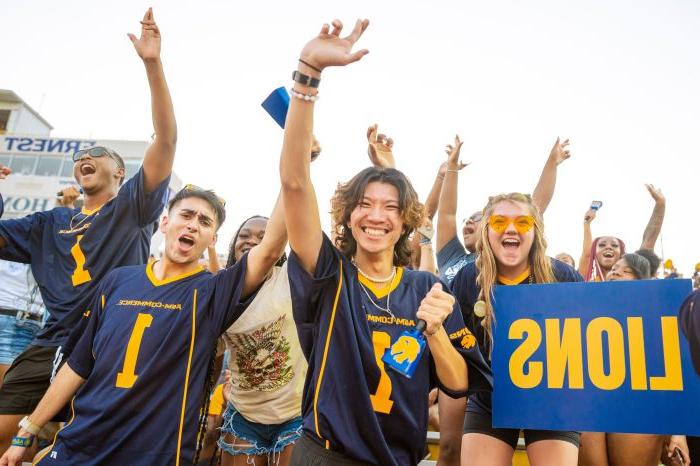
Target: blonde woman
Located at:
point(511, 248)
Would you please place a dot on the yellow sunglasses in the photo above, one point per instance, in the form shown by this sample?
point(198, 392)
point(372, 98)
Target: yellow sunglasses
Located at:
point(522, 223)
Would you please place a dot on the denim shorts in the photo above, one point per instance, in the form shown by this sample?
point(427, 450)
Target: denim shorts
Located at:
point(15, 336)
point(266, 439)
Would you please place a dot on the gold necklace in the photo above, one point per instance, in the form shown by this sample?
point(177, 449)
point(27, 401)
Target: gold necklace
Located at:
point(72, 227)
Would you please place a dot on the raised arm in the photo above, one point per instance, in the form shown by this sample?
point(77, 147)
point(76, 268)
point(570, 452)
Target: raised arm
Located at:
point(427, 258)
point(64, 386)
point(213, 259)
point(433, 199)
point(158, 161)
point(447, 207)
point(263, 256)
point(653, 229)
point(586, 258)
point(542, 195)
point(298, 195)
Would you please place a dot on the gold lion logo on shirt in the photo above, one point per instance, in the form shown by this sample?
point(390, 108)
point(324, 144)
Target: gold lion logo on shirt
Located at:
point(468, 341)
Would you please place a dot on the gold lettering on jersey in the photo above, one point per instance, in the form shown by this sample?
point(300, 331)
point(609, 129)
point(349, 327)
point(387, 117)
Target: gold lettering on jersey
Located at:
point(388, 320)
point(75, 230)
point(468, 340)
point(153, 304)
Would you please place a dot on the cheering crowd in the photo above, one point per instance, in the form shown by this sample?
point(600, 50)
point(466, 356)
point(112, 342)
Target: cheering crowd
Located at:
point(276, 358)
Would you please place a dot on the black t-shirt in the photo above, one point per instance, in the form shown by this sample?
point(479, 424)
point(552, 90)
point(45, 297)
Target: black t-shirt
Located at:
point(466, 291)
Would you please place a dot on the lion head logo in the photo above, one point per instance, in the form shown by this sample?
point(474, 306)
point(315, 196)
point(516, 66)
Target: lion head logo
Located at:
point(468, 341)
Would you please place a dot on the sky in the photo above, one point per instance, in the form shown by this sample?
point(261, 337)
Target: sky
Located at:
point(620, 79)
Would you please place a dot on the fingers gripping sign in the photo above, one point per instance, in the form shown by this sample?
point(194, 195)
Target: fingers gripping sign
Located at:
point(435, 308)
point(329, 49)
point(148, 45)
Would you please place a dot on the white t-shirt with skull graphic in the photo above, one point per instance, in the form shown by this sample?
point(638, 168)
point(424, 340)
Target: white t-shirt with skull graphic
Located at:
point(267, 365)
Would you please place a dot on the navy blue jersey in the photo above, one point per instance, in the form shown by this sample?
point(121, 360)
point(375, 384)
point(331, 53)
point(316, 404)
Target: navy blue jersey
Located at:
point(71, 250)
point(145, 355)
point(352, 403)
point(466, 291)
point(690, 323)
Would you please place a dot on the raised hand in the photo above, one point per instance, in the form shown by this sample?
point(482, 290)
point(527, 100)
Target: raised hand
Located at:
point(559, 151)
point(590, 215)
point(329, 49)
point(148, 45)
point(380, 149)
point(4, 172)
point(435, 308)
point(656, 194)
point(453, 162)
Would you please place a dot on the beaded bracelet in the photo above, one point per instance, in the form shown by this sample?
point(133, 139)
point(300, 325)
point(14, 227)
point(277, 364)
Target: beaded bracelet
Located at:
point(306, 97)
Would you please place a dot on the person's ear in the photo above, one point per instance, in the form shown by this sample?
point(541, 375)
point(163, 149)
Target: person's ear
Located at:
point(163, 224)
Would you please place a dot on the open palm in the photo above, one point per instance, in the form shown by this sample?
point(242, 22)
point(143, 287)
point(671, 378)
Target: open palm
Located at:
point(329, 49)
point(148, 45)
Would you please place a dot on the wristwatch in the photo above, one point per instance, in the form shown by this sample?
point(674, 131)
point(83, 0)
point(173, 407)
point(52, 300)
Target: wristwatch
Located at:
point(305, 80)
point(29, 426)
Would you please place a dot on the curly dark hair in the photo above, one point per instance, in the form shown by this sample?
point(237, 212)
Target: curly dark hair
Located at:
point(348, 195)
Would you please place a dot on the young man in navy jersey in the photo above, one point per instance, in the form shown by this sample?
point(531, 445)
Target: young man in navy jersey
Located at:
point(353, 299)
point(141, 365)
point(71, 250)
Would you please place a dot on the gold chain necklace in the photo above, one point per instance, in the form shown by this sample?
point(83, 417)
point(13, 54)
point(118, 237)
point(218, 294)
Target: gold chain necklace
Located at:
point(87, 216)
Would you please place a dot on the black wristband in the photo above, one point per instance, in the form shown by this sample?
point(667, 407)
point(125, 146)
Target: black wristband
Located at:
point(305, 80)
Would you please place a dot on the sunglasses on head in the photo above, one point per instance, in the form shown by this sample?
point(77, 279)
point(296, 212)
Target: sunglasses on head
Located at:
point(96, 152)
point(192, 187)
point(522, 223)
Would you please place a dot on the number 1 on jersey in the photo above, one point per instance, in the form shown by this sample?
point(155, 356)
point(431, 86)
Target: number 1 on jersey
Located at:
point(80, 274)
point(381, 401)
point(127, 377)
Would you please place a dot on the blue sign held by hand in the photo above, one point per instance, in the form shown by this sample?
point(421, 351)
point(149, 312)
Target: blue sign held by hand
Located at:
point(596, 357)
